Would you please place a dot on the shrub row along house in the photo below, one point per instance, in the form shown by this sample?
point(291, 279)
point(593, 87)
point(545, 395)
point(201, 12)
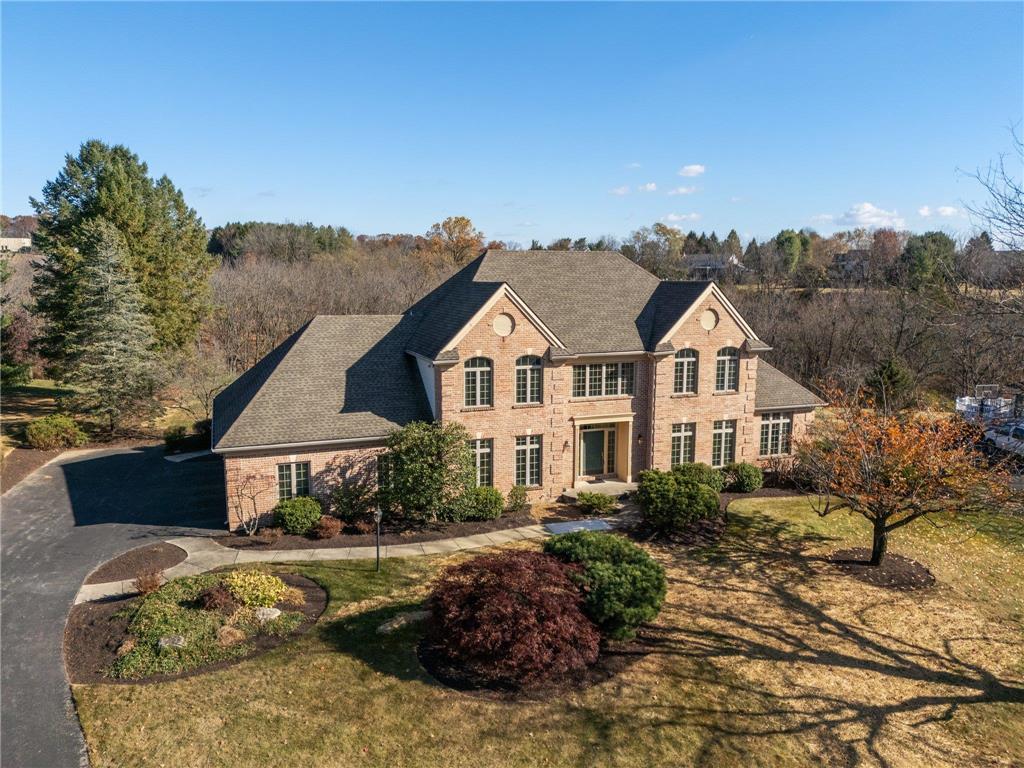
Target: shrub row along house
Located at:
point(564, 367)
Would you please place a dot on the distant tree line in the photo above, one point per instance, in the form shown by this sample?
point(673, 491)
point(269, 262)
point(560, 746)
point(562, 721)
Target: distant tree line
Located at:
point(907, 314)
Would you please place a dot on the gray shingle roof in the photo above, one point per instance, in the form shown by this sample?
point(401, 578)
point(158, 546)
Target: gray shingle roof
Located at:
point(775, 391)
point(336, 378)
point(593, 301)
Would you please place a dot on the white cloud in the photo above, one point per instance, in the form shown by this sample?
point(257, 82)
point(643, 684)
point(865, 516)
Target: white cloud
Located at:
point(691, 170)
point(674, 217)
point(823, 218)
point(735, 199)
point(682, 191)
point(632, 165)
point(650, 186)
point(948, 211)
point(924, 211)
point(870, 215)
point(623, 190)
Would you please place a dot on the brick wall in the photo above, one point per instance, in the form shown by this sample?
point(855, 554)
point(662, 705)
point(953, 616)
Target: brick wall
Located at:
point(251, 480)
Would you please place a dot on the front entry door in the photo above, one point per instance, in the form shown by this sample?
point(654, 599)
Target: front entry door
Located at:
point(593, 452)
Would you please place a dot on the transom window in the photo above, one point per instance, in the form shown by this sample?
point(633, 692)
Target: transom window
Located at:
point(529, 377)
point(723, 443)
point(293, 480)
point(479, 382)
point(727, 370)
point(482, 457)
point(684, 439)
point(776, 429)
point(528, 460)
point(603, 379)
point(685, 382)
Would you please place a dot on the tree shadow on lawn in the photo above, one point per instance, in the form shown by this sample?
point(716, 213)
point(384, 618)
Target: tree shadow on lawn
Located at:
point(797, 649)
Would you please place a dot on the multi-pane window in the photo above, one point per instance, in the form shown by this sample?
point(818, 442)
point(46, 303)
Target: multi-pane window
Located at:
point(529, 373)
point(482, 457)
point(723, 443)
point(683, 443)
point(685, 382)
point(528, 460)
point(293, 480)
point(603, 379)
point(479, 382)
point(776, 429)
point(727, 370)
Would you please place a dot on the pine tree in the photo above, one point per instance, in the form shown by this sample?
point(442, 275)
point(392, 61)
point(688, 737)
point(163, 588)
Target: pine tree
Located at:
point(732, 246)
point(12, 374)
point(111, 357)
point(165, 244)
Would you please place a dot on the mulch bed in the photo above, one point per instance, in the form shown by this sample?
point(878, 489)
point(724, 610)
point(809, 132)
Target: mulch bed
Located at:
point(20, 463)
point(895, 572)
point(615, 658)
point(93, 635)
point(152, 557)
point(427, 532)
point(727, 497)
point(699, 533)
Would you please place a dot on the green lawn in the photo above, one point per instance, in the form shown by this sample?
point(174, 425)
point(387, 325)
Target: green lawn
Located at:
point(766, 657)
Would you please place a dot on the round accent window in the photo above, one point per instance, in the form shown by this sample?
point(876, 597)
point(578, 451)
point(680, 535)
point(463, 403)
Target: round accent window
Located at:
point(504, 325)
point(709, 320)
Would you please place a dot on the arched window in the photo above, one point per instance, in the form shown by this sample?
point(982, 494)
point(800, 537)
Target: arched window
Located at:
point(529, 380)
point(479, 382)
point(727, 370)
point(685, 382)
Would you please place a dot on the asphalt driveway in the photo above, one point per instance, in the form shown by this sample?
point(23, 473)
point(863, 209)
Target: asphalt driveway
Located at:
point(56, 526)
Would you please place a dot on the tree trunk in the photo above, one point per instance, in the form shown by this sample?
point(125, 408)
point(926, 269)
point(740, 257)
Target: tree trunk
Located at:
point(879, 542)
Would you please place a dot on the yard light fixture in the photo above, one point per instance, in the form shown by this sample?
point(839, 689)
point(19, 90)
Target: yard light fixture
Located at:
point(377, 515)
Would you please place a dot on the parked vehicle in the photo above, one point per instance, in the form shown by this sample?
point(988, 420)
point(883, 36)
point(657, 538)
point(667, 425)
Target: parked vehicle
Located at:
point(1007, 438)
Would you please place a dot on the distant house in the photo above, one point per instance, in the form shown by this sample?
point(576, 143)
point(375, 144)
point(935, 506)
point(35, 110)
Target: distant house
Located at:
point(565, 368)
point(15, 244)
point(710, 266)
point(852, 265)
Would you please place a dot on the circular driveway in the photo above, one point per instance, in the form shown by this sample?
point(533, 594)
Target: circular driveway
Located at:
point(56, 526)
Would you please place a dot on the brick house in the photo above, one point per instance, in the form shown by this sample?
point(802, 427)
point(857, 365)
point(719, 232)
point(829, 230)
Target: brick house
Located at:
point(564, 367)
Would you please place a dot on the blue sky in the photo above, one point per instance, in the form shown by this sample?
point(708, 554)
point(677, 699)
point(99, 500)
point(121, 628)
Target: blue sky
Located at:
point(535, 120)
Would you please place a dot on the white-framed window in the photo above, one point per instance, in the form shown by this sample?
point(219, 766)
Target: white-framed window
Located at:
point(727, 370)
point(685, 380)
point(603, 379)
point(528, 460)
point(529, 380)
point(293, 480)
point(483, 454)
point(479, 382)
point(684, 443)
point(776, 431)
point(723, 443)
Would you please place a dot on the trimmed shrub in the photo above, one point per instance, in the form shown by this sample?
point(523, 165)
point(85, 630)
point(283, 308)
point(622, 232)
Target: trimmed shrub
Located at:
point(297, 516)
point(623, 586)
point(255, 589)
point(174, 435)
point(517, 502)
point(327, 528)
point(595, 503)
point(217, 598)
point(743, 477)
point(54, 431)
point(203, 427)
point(512, 619)
point(698, 472)
point(353, 501)
point(669, 503)
point(484, 503)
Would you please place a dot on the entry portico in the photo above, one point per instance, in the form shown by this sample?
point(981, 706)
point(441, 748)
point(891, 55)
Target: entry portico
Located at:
point(603, 448)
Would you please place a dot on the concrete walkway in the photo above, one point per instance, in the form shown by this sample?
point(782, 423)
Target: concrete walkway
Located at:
point(206, 555)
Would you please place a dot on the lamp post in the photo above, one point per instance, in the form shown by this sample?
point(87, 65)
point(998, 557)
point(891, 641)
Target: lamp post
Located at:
point(377, 515)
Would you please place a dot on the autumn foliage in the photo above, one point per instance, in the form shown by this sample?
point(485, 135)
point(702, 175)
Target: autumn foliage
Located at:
point(896, 468)
point(512, 619)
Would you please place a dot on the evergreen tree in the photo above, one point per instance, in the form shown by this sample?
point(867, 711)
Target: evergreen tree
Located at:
point(12, 374)
point(165, 244)
point(890, 385)
point(111, 357)
point(927, 259)
point(791, 246)
point(751, 255)
point(732, 246)
point(691, 244)
point(714, 244)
